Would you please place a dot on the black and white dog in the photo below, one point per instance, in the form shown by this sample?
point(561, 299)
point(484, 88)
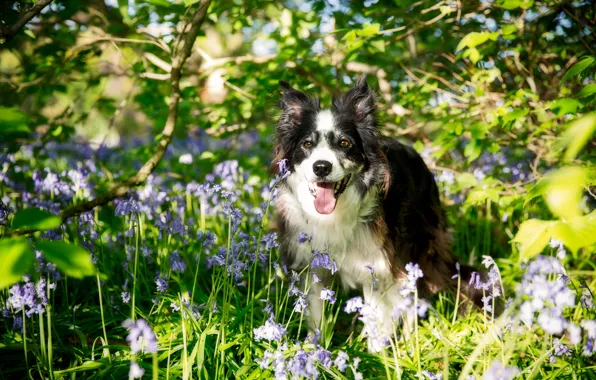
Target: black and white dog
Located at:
point(365, 199)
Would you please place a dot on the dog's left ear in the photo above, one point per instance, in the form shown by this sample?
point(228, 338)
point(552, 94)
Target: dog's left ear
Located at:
point(294, 103)
point(359, 100)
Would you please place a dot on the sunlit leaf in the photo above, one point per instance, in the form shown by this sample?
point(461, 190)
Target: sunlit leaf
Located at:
point(474, 39)
point(35, 218)
point(578, 68)
point(71, 259)
point(532, 236)
point(17, 259)
point(577, 135)
point(576, 233)
point(563, 190)
point(514, 4)
point(515, 114)
point(587, 91)
point(564, 106)
point(12, 121)
point(466, 180)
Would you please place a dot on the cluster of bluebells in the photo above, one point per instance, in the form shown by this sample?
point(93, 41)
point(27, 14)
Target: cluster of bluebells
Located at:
point(296, 362)
point(409, 305)
point(141, 339)
point(270, 331)
point(28, 297)
point(546, 293)
point(498, 371)
point(491, 289)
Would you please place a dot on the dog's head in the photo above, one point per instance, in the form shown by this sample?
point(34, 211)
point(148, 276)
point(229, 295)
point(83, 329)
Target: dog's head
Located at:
point(331, 150)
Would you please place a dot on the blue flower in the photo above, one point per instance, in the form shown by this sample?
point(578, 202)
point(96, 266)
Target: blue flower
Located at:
point(140, 336)
point(270, 331)
point(497, 371)
point(323, 260)
point(328, 295)
point(270, 241)
point(303, 237)
point(177, 264)
point(161, 284)
point(354, 305)
point(125, 297)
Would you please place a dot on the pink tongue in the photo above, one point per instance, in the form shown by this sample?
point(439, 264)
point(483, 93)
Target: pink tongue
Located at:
point(325, 200)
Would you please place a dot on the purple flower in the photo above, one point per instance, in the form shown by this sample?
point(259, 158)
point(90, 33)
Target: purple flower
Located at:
point(125, 297)
point(328, 295)
point(300, 304)
point(270, 241)
point(161, 284)
point(323, 260)
point(270, 331)
point(497, 371)
point(303, 237)
point(354, 305)
point(136, 372)
point(177, 264)
point(341, 361)
point(140, 336)
point(127, 207)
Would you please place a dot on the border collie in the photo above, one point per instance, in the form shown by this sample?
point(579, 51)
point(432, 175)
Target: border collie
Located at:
point(365, 199)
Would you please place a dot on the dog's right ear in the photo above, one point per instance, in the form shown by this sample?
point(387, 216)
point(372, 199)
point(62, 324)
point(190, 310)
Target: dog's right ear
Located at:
point(294, 103)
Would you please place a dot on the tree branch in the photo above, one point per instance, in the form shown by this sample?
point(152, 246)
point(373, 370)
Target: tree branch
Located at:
point(184, 44)
point(24, 18)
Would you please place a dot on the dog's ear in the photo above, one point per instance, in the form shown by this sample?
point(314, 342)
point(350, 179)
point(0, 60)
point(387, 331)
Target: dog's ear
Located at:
point(294, 103)
point(360, 100)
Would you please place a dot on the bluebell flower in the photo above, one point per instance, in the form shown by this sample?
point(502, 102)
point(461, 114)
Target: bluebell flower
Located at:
point(125, 297)
point(341, 361)
point(324, 261)
point(497, 371)
point(126, 207)
point(300, 304)
point(270, 331)
point(432, 376)
point(328, 295)
point(135, 372)
point(354, 305)
point(303, 237)
point(161, 284)
point(140, 336)
point(413, 273)
point(177, 263)
point(270, 241)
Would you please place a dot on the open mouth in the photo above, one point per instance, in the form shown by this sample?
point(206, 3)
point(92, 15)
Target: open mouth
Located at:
point(327, 193)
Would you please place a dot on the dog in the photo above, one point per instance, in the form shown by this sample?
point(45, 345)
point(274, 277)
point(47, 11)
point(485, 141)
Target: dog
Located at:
point(367, 200)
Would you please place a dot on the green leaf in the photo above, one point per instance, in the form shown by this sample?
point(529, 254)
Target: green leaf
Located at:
point(378, 45)
point(514, 4)
point(161, 3)
point(587, 91)
point(72, 259)
point(577, 233)
point(476, 38)
point(515, 114)
point(13, 121)
point(16, 258)
point(509, 29)
point(532, 236)
point(578, 68)
point(466, 180)
point(36, 219)
point(577, 135)
point(563, 190)
point(564, 106)
point(369, 30)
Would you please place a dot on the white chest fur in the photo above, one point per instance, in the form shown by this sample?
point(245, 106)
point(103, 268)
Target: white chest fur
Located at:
point(345, 234)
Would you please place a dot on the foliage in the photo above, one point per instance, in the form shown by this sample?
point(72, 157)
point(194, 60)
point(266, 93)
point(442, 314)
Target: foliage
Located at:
point(497, 96)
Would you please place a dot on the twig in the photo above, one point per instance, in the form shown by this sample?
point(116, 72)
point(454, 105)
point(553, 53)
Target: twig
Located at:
point(24, 19)
point(185, 42)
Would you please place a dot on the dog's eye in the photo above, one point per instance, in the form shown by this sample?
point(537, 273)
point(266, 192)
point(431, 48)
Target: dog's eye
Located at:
point(344, 143)
point(307, 144)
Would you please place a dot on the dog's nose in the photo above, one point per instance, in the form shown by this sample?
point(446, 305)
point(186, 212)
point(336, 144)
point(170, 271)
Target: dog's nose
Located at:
point(322, 168)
